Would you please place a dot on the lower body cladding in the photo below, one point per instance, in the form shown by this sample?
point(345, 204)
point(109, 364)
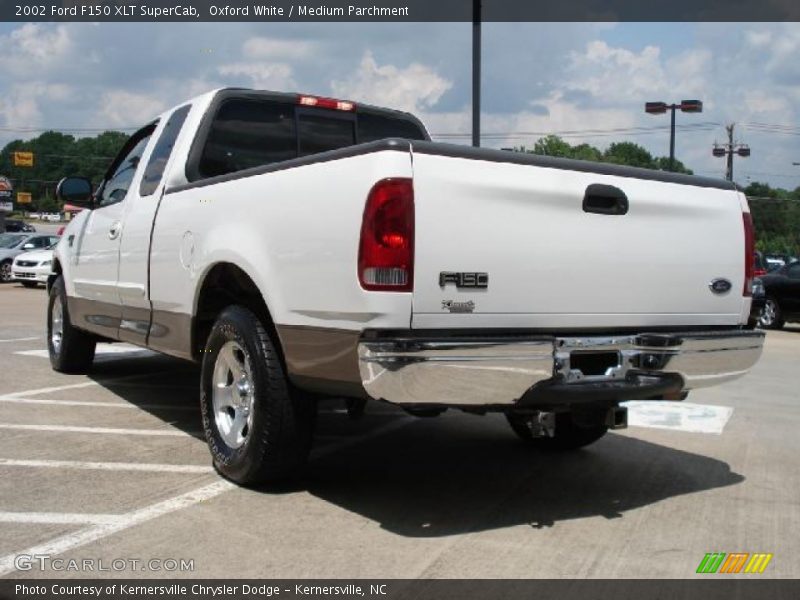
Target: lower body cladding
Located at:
point(516, 373)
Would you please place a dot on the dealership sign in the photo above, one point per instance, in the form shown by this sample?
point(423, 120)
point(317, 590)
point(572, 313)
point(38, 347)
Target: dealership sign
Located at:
point(6, 189)
point(23, 159)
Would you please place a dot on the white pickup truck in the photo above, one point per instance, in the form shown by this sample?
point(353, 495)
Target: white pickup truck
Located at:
point(300, 246)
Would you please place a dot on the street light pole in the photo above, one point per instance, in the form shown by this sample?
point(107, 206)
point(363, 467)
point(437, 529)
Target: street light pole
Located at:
point(476, 73)
point(672, 140)
point(659, 108)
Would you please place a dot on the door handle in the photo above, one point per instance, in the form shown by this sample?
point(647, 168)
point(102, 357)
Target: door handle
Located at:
point(604, 199)
point(113, 232)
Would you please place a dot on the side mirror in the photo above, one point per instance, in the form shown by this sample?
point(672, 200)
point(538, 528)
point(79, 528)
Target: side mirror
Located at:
point(28, 246)
point(75, 190)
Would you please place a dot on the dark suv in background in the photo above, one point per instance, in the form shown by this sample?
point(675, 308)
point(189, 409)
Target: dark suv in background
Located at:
point(17, 226)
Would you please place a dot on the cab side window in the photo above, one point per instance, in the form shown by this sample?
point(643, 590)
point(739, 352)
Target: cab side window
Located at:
point(794, 271)
point(116, 185)
point(161, 152)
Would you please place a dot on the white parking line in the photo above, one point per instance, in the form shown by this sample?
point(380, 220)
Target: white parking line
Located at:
point(57, 518)
point(105, 466)
point(116, 524)
point(76, 386)
point(104, 430)
point(82, 537)
point(25, 339)
point(678, 416)
point(101, 354)
point(98, 404)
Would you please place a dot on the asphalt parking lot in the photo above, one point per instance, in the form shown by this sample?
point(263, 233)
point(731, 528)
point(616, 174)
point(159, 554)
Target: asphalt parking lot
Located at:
point(112, 466)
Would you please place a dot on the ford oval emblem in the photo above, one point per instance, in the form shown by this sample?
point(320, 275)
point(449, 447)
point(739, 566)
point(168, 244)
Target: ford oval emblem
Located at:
point(720, 286)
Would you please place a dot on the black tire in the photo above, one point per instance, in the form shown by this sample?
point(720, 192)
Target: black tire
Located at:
point(74, 352)
point(29, 284)
point(5, 271)
point(568, 435)
point(280, 423)
point(771, 315)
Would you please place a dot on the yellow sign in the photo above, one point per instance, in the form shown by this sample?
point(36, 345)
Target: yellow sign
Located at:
point(23, 159)
point(24, 198)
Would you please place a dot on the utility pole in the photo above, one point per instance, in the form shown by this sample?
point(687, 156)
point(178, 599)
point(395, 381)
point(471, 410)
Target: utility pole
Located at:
point(729, 149)
point(476, 73)
point(729, 166)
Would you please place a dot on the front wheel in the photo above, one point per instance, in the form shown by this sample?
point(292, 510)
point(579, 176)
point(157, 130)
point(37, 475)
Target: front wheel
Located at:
point(771, 315)
point(258, 427)
point(568, 434)
point(70, 349)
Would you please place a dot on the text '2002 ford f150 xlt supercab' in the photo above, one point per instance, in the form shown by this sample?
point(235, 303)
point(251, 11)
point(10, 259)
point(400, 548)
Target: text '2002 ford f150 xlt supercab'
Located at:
point(300, 246)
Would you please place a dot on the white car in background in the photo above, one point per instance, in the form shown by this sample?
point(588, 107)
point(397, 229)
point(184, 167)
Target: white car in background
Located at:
point(33, 268)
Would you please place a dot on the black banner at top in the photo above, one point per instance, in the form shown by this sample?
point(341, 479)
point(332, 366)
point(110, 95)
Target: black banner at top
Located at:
point(396, 10)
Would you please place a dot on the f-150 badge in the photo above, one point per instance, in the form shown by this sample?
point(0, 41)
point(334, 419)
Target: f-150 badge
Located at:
point(458, 307)
point(464, 280)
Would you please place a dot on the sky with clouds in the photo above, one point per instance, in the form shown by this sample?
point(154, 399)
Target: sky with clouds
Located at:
point(537, 77)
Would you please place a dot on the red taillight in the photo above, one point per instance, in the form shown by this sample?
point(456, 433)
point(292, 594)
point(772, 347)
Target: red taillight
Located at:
point(331, 103)
point(749, 254)
point(386, 249)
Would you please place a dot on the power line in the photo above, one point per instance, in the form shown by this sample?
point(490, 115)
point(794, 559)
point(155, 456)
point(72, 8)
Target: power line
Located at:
point(581, 132)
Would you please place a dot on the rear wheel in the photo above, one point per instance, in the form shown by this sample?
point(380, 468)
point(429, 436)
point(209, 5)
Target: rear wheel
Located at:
point(569, 434)
point(71, 350)
point(258, 427)
point(771, 315)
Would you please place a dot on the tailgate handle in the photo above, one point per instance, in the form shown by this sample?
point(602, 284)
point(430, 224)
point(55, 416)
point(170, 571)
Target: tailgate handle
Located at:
point(605, 200)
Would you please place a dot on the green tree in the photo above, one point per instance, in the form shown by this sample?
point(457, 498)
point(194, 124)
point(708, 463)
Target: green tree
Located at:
point(552, 145)
point(756, 189)
point(628, 153)
point(662, 164)
point(587, 152)
point(57, 155)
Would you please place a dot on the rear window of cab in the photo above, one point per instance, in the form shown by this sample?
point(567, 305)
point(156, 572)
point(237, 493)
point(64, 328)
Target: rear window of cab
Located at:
point(246, 133)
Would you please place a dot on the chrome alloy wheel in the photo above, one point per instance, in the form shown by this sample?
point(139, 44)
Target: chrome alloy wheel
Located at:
point(232, 395)
point(768, 314)
point(57, 325)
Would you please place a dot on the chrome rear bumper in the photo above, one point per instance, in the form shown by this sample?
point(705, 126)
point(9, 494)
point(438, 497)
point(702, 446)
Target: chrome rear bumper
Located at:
point(511, 370)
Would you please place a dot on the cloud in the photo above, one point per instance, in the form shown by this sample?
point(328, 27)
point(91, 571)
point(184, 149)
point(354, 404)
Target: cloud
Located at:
point(20, 106)
point(414, 88)
point(276, 77)
point(121, 108)
point(536, 76)
point(32, 48)
point(260, 48)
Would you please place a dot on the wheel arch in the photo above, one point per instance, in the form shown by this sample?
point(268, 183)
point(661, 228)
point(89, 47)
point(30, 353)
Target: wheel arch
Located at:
point(225, 284)
point(57, 271)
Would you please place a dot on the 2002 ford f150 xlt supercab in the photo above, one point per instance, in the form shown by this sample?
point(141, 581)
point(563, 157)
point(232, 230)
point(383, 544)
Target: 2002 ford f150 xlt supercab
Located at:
point(300, 246)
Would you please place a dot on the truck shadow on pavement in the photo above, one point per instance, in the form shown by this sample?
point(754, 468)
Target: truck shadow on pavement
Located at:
point(450, 475)
point(447, 478)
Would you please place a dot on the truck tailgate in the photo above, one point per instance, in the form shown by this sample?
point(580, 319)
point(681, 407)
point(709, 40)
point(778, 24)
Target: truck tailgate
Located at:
point(552, 264)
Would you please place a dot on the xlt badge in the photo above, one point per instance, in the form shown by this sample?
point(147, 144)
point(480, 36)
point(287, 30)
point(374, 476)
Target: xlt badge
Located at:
point(464, 280)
